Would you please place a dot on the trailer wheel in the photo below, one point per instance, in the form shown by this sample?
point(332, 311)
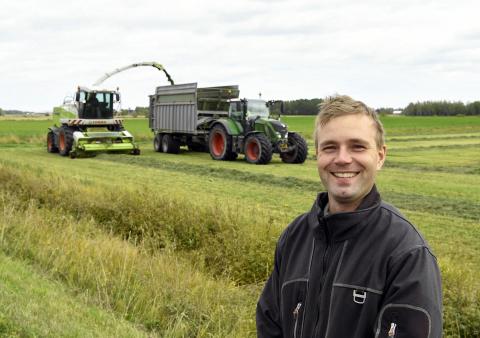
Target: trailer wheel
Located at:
point(51, 146)
point(258, 149)
point(157, 143)
point(65, 141)
point(170, 145)
point(220, 144)
point(299, 152)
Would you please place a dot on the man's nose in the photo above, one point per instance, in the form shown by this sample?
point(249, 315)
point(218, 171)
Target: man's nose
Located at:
point(343, 156)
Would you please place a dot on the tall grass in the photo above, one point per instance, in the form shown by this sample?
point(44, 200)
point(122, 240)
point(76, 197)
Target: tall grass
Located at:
point(225, 242)
point(224, 247)
point(160, 291)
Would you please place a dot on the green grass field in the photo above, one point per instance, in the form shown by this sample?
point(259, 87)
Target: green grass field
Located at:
point(180, 245)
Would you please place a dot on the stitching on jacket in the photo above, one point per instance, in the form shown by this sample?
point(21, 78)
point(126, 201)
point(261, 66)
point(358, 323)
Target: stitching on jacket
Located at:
point(357, 287)
point(408, 251)
point(293, 281)
point(331, 291)
point(408, 306)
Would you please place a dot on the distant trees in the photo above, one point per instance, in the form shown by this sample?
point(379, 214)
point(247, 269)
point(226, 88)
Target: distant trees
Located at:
point(137, 112)
point(384, 111)
point(442, 108)
point(302, 107)
point(1, 112)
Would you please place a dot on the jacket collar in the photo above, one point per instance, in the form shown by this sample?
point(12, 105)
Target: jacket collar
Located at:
point(343, 225)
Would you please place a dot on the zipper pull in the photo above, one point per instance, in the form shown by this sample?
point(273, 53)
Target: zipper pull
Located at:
point(391, 332)
point(297, 310)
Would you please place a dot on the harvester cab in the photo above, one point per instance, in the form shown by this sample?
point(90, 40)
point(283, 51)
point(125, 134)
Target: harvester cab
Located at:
point(87, 126)
point(96, 104)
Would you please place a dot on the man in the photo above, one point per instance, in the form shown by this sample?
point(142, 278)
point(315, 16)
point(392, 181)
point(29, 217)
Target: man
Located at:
point(353, 266)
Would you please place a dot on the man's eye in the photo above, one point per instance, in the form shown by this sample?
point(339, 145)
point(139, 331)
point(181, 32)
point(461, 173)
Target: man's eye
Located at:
point(359, 147)
point(328, 149)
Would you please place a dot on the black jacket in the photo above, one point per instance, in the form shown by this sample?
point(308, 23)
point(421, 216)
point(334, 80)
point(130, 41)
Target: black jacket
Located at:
point(366, 273)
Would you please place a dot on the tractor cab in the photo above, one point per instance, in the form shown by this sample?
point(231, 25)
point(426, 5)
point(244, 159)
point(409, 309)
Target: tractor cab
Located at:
point(96, 104)
point(250, 109)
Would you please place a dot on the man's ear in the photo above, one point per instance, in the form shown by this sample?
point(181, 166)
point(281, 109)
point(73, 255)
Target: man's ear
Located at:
point(382, 154)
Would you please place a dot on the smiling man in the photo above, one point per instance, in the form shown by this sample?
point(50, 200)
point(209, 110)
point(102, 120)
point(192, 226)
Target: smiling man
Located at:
point(353, 266)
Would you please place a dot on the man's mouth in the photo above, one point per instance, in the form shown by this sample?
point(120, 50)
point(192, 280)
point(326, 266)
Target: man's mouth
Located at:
point(349, 174)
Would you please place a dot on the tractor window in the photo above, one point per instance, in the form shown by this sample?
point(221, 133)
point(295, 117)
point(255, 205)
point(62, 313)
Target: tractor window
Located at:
point(257, 108)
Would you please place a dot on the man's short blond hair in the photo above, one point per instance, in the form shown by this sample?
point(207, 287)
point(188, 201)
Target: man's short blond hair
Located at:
point(341, 105)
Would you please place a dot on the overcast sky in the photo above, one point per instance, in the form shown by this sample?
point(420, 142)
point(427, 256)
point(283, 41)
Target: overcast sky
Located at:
point(386, 53)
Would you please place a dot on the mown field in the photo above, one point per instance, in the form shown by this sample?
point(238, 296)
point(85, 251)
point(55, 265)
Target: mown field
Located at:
point(180, 245)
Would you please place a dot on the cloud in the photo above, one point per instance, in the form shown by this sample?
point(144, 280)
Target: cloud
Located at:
point(391, 52)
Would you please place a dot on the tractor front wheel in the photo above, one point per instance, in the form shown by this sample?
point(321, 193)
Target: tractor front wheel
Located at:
point(51, 146)
point(65, 141)
point(258, 149)
point(299, 151)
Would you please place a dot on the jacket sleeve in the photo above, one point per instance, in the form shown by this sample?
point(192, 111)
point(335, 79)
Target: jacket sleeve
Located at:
point(412, 305)
point(268, 316)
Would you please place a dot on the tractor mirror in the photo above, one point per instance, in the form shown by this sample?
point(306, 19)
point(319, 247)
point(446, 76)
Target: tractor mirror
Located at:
point(117, 97)
point(77, 97)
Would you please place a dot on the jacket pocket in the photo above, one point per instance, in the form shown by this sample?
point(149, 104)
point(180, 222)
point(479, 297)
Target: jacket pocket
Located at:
point(293, 297)
point(353, 310)
point(402, 321)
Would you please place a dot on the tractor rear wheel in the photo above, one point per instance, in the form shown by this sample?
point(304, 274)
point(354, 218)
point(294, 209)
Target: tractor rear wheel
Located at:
point(157, 143)
point(220, 144)
point(170, 145)
point(65, 140)
point(51, 146)
point(258, 149)
point(299, 152)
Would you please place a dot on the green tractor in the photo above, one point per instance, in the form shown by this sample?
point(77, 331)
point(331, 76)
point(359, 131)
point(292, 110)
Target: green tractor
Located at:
point(86, 126)
point(262, 134)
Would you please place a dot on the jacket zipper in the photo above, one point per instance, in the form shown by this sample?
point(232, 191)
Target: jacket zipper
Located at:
point(325, 260)
point(295, 315)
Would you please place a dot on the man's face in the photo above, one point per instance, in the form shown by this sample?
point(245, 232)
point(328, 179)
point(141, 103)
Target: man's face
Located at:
point(348, 160)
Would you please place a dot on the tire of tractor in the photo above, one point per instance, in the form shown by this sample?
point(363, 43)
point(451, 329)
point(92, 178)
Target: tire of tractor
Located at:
point(65, 141)
point(169, 145)
point(51, 146)
point(258, 149)
point(297, 155)
point(157, 143)
point(220, 144)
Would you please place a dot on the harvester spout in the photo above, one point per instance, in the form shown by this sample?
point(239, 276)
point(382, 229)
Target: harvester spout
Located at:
point(118, 70)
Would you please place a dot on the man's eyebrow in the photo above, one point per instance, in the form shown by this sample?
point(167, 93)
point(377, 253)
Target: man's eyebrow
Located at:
point(327, 142)
point(358, 140)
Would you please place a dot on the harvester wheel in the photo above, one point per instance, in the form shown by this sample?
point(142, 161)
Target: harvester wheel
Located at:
point(170, 145)
point(51, 146)
point(258, 149)
point(299, 152)
point(157, 143)
point(220, 144)
point(65, 141)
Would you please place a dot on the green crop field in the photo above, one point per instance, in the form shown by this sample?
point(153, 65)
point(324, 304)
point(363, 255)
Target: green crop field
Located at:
point(180, 245)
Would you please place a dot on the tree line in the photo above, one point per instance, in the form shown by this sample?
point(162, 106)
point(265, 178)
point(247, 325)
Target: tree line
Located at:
point(442, 108)
point(311, 107)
